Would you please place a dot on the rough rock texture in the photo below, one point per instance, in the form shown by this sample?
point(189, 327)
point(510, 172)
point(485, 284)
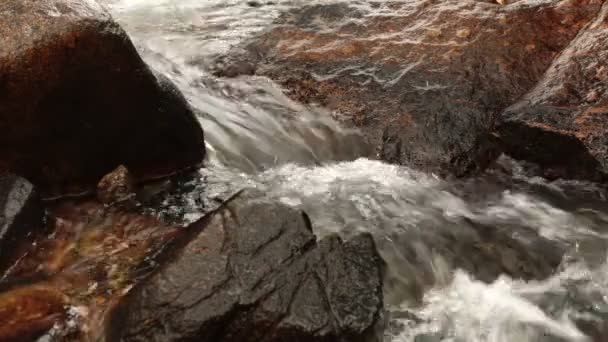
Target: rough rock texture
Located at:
point(562, 124)
point(256, 273)
point(424, 79)
point(21, 214)
point(116, 186)
point(76, 100)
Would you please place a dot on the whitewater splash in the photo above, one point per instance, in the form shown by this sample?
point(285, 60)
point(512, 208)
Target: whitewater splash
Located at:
point(389, 200)
point(436, 245)
point(462, 255)
point(469, 310)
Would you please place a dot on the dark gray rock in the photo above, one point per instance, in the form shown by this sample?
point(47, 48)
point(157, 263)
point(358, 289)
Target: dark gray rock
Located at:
point(76, 100)
point(21, 214)
point(255, 272)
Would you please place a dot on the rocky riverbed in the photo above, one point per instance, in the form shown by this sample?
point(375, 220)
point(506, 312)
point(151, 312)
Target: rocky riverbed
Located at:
point(396, 171)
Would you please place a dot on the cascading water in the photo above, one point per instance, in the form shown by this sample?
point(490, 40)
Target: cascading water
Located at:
point(462, 256)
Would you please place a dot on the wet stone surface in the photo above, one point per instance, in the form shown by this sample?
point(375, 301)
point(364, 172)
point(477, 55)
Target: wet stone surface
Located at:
point(21, 216)
point(68, 280)
point(424, 80)
point(76, 100)
point(117, 186)
point(27, 313)
point(562, 123)
point(254, 272)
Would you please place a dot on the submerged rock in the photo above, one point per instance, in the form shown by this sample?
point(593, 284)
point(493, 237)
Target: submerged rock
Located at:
point(425, 80)
point(562, 124)
point(423, 258)
point(254, 272)
point(21, 214)
point(76, 100)
point(92, 257)
point(27, 313)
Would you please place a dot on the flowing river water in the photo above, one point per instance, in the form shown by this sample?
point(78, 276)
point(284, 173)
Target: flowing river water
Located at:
point(463, 256)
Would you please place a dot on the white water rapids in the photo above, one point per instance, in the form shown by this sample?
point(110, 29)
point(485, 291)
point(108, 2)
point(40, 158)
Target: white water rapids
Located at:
point(434, 235)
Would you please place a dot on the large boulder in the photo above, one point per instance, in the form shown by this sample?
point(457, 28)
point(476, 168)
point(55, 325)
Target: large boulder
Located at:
point(76, 100)
point(562, 124)
point(255, 272)
point(425, 80)
point(21, 214)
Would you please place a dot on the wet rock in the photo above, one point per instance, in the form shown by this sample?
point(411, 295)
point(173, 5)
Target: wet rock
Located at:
point(76, 100)
point(117, 186)
point(254, 3)
point(425, 80)
point(27, 313)
point(101, 245)
point(234, 69)
point(596, 330)
point(93, 256)
point(21, 214)
point(562, 124)
point(255, 272)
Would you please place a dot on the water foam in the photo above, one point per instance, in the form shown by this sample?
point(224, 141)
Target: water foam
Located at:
point(259, 138)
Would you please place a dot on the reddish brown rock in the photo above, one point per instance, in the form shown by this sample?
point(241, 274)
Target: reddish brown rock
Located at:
point(76, 100)
point(562, 123)
point(92, 257)
point(425, 80)
point(26, 313)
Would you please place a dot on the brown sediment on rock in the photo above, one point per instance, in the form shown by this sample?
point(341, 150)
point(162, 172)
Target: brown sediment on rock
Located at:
point(425, 80)
point(562, 123)
point(76, 100)
point(27, 313)
point(104, 273)
point(93, 255)
point(85, 234)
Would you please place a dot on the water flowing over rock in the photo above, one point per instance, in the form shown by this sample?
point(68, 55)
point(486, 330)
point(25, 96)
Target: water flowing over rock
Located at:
point(21, 214)
point(70, 278)
point(562, 124)
point(28, 312)
point(76, 100)
point(424, 79)
point(256, 273)
point(384, 252)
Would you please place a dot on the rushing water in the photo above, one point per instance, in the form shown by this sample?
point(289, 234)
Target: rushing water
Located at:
point(462, 255)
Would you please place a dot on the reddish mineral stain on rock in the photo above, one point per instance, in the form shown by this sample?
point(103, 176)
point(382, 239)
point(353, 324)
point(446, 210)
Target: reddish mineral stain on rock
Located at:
point(28, 312)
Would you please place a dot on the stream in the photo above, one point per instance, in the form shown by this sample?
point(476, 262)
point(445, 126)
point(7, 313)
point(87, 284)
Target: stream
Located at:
point(505, 256)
